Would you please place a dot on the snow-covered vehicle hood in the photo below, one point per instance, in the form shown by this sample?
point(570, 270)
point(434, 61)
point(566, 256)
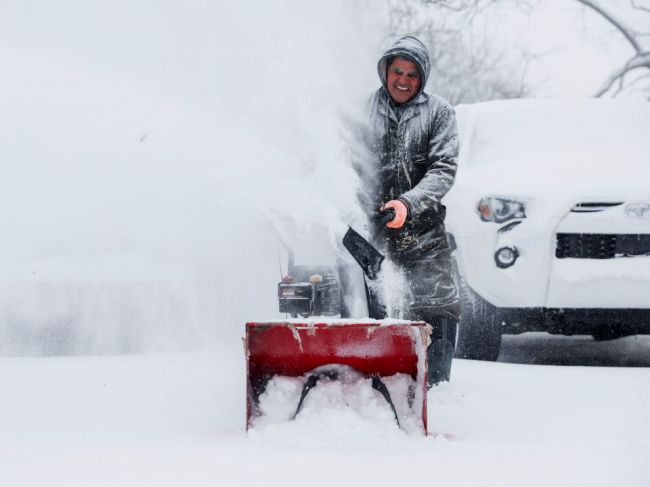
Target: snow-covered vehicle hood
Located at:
point(555, 150)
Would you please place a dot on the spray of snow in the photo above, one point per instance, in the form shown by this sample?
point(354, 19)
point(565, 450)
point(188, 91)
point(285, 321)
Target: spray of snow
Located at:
point(154, 156)
point(392, 289)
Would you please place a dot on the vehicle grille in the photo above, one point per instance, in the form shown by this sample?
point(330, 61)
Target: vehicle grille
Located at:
point(601, 245)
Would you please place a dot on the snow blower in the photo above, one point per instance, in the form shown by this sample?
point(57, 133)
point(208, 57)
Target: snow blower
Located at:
point(390, 355)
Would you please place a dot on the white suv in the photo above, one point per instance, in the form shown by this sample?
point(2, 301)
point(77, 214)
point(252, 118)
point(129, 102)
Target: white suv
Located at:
point(550, 218)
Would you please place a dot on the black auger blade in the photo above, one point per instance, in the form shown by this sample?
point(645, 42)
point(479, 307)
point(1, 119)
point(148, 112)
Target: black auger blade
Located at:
point(377, 384)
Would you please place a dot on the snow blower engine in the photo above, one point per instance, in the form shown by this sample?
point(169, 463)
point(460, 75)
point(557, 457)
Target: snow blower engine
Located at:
point(309, 291)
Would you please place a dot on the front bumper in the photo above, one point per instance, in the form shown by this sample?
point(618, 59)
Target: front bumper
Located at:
point(574, 321)
point(605, 264)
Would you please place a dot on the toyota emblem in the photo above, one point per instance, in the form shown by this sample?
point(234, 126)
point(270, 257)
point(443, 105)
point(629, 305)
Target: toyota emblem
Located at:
point(638, 211)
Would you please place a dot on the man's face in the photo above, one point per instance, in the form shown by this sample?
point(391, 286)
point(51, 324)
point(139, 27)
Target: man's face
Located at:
point(403, 80)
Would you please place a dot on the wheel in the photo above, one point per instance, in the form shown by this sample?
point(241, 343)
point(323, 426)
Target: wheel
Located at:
point(479, 334)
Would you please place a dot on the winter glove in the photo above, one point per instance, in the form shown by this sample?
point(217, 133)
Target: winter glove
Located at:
point(401, 213)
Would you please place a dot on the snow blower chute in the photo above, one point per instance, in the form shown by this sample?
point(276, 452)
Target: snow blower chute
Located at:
point(389, 355)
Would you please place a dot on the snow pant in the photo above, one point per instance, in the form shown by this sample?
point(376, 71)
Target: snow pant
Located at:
point(434, 300)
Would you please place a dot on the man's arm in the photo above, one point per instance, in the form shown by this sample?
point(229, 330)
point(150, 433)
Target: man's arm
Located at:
point(441, 171)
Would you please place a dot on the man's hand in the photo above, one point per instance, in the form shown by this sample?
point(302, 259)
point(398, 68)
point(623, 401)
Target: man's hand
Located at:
point(401, 212)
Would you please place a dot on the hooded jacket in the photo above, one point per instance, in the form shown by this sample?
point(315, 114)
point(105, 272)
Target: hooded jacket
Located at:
point(414, 148)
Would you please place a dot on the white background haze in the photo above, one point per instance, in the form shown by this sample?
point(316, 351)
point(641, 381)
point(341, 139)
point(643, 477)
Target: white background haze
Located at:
point(148, 149)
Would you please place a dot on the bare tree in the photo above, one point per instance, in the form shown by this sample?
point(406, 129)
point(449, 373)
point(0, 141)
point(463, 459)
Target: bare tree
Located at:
point(467, 65)
point(622, 78)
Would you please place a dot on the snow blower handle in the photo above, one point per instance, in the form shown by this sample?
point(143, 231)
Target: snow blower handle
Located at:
point(380, 221)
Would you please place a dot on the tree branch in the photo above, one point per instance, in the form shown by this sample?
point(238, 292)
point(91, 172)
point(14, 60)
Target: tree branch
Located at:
point(636, 62)
point(629, 84)
point(622, 28)
point(640, 7)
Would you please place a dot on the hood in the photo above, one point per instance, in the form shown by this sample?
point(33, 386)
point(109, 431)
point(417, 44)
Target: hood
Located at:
point(564, 149)
point(411, 48)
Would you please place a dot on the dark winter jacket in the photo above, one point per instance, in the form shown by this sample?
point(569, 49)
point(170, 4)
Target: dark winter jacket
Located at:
point(414, 147)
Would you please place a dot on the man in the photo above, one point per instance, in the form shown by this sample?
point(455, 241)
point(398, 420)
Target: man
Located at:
point(413, 140)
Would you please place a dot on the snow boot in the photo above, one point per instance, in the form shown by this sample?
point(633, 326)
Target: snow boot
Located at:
point(440, 352)
point(439, 355)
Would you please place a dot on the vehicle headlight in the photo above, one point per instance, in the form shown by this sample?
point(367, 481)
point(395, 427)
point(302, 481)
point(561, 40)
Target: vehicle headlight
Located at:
point(500, 210)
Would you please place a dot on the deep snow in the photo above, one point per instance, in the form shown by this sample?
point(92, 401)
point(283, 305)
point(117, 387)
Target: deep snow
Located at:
point(178, 419)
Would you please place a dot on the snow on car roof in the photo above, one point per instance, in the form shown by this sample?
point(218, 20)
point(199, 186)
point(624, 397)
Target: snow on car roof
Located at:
point(588, 146)
point(510, 131)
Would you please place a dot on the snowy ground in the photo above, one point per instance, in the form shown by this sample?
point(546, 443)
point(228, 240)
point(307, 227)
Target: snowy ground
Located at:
point(177, 419)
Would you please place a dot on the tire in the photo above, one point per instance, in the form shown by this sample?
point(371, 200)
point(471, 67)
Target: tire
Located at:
point(607, 334)
point(479, 334)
